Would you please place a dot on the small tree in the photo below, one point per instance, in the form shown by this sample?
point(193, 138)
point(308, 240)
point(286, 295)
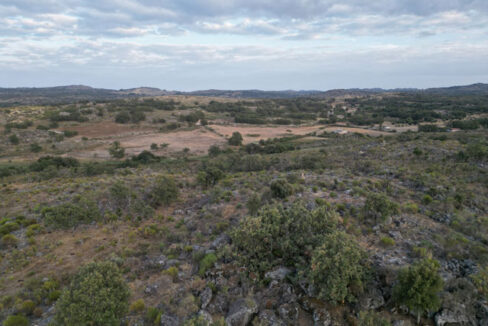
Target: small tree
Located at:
point(164, 191)
point(97, 295)
point(214, 150)
point(281, 188)
point(116, 151)
point(378, 208)
point(209, 176)
point(418, 287)
point(337, 268)
point(253, 204)
point(235, 139)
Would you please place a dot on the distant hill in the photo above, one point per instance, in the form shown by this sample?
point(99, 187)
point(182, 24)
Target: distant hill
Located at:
point(74, 93)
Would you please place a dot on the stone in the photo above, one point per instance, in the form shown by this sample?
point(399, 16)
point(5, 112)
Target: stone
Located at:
point(206, 297)
point(241, 312)
point(402, 323)
point(221, 240)
point(289, 312)
point(268, 317)
point(451, 317)
point(219, 305)
point(206, 316)
point(321, 317)
point(372, 299)
point(167, 320)
point(278, 274)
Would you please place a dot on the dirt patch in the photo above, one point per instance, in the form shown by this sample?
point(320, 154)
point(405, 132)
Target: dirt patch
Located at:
point(255, 133)
point(106, 129)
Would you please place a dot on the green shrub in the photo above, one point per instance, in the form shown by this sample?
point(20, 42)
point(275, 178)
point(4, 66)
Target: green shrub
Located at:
point(480, 280)
point(254, 204)
point(206, 263)
point(277, 236)
point(97, 295)
point(235, 139)
point(15, 320)
point(27, 307)
point(378, 208)
point(387, 241)
point(14, 139)
point(137, 306)
point(116, 151)
point(209, 176)
point(418, 287)
point(9, 240)
point(411, 208)
point(8, 227)
point(68, 215)
point(173, 272)
point(70, 133)
point(427, 199)
point(163, 192)
point(337, 268)
point(35, 148)
point(281, 188)
point(153, 316)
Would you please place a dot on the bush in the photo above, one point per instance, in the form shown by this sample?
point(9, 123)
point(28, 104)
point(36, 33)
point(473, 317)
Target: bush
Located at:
point(378, 208)
point(337, 268)
point(214, 150)
point(14, 320)
point(14, 139)
point(153, 316)
point(281, 237)
point(387, 242)
point(137, 306)
point(68, 215)
point(9, 240)
point(70, 133)
point(122, 117)
point(480, 280)
point(206, 263)
point(427, 199)
point(253, 204)
point(35, 148)
point(281, 188)
point(209, 176)
point(97, 295)
point(163, 192)
point(27, 307)
point(116, 151)
point(235, 139)
point(418, 287)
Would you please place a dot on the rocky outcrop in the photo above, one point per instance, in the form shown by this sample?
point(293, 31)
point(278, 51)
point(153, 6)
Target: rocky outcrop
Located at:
point(241, 312)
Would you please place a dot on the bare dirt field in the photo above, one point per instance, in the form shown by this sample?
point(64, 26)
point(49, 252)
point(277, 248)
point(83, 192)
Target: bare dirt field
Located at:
point(256, 133)
point(106, 129)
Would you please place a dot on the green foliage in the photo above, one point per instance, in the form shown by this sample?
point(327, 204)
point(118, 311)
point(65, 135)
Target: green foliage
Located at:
point(281, 188)
point(387, 241)
point(427, 199)
point(14, 139)
point(98, 295)
point(137, 306)
point(214, 150)
point(235, 139)
point(418, 287)
point(372, 318)
point(163, 192)
point(54, 161)
point(209, 176)
point(116, 151)
point(337, 268)
point(15, 320)
point(68, 215)
point(254, 204)
point(378, 208)
point(27, 307)
point(480, 280)
point(153, 316)
point(206, 263)
point(9, 240)
point(70, 133)
point(35, 148)
point(278, 236)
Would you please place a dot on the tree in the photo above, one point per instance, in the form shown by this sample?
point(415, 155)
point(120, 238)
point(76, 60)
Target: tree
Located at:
point(253, 204)
point(214, 150)
point(235, 139)
point(372, 318)
point(98, 295)
point(209, 176)
point(122, 117)
point(337, 268)
point(116, 151)
point(378, 208)
point(164, 191)
point(418, 287)
point(281, 188)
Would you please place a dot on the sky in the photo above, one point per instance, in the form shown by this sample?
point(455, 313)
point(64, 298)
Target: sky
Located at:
point(243, 44)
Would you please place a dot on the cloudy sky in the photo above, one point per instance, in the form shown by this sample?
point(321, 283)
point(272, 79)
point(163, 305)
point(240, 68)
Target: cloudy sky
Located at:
point(243, 44)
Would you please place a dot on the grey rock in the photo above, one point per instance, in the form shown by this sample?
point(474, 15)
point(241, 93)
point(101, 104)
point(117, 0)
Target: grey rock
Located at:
point(241, 312)
point(372, 299)
point(151, 289)
point(221, 240)
point(278, 274)
point(402, 323)
point(218, 305)
point(451, 317)
point(167, 320)
point(289, 312)
point(206, 297)
point(206, 316)
point(171, 263)
point(268, 317)
point(321, 317)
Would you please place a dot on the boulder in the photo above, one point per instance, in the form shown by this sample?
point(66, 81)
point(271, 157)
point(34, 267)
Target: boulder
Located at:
point(241, 312)
point(205, 297)
point(167, 320)
point(278, 274)
point(451, 318)
point(268, 317)
point(321, 317)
